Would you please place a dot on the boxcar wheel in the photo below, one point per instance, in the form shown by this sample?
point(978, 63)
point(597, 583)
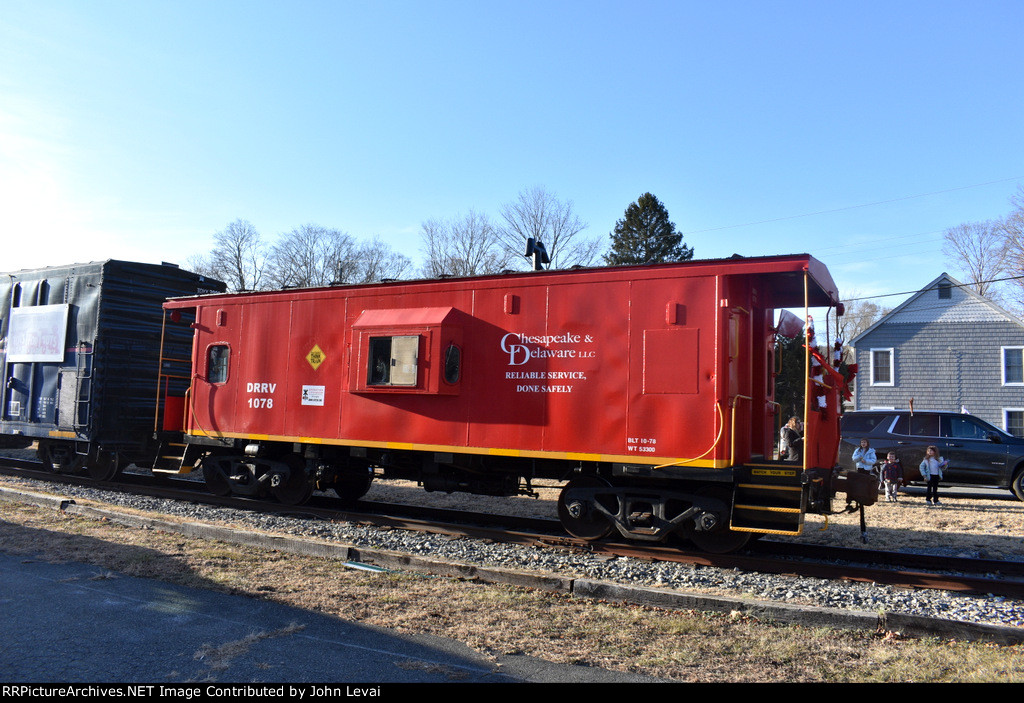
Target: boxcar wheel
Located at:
point(105, 467)
point(578, 518)
point(60, 459)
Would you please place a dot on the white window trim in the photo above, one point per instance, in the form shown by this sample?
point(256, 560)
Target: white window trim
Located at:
point(1006, 425)
point(892, 366)
point(1002, 366)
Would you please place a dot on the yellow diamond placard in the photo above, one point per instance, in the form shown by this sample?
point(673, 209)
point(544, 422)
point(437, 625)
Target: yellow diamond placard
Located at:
point(316, 356)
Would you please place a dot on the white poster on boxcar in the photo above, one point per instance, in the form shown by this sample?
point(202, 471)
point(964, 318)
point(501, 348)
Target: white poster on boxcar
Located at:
point(37, 333)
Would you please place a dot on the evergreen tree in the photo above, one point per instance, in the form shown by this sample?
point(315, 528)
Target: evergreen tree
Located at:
point(790, 383)
point(646, 236)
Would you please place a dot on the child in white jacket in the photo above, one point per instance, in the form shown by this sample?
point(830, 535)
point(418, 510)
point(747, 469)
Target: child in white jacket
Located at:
point(931, 471)
point(864, 457)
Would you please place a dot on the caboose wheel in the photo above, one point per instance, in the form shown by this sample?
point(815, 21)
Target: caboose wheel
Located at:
point(578, 517)
point(105, 467)
point(720, 539)
point(352, 485)
point(216, 480)
point(297, 488)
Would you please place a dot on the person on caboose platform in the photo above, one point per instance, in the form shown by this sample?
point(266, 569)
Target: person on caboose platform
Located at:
point(791, 440)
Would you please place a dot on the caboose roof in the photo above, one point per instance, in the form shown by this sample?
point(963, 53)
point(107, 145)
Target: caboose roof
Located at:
point(783, 277)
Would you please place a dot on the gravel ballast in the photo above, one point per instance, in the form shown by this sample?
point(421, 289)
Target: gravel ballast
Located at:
point(684, 578)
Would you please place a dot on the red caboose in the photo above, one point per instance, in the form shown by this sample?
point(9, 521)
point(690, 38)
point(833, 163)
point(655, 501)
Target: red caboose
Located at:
point(649, 389)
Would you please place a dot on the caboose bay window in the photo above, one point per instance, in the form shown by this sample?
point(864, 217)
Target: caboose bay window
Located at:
point(393, 361)
point(407, 351)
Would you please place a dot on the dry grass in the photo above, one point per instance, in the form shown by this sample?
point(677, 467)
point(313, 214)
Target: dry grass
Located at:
point(686, 646)
point(982, 528)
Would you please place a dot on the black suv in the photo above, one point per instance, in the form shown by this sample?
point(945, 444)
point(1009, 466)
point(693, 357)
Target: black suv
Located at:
point(979, 454)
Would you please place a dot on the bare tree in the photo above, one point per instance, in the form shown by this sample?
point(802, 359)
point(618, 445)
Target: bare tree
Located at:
point(1013, 232)
point(376, 261)
point(979, 249)
point(312, 255)
point(537, 214)
point(466, 246)
point(309, 255)
point(860, 313)
point(238, 257)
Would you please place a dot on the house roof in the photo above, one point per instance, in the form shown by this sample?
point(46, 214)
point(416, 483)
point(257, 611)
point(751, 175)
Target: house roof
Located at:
point(964, 305)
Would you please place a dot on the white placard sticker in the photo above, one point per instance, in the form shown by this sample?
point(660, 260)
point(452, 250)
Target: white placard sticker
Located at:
point(313, 395)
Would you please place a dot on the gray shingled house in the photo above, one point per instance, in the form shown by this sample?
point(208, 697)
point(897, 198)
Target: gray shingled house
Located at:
point(949, 349)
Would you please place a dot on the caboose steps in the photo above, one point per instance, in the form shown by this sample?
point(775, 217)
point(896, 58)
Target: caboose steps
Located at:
point(175, 458)
point(768, 498)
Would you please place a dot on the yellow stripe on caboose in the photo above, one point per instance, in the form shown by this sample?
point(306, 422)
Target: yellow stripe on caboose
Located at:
point(484, 451)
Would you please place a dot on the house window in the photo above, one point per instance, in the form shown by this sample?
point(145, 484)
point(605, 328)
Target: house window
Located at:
point(945, 291)
point(1013, 366)
point(393, 361)
point(1013, 421)
point(882, 367)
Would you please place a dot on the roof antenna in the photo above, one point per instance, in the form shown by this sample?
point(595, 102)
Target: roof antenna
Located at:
point(536, 249)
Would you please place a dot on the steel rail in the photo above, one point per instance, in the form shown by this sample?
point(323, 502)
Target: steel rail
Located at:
point(829, 563)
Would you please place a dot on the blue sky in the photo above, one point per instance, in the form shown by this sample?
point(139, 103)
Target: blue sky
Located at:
point(856, 132)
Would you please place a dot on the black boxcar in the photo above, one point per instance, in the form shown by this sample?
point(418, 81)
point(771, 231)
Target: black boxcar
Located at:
point(81, 348)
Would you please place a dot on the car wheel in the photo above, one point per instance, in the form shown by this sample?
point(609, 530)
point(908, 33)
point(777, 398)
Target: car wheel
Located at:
point(1018, 483)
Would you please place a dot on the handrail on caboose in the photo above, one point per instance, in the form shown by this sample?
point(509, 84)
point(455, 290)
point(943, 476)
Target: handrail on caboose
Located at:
point(732, 429)
point(159, 375)
point(186, 411)
point(733, 403)
point(163, 378)
point(807, 362)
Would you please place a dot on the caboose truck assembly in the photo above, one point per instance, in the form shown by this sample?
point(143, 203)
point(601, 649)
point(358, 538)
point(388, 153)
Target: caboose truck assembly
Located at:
point(648, 389)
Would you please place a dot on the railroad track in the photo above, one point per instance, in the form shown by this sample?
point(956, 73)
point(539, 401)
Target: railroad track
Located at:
point(916, 571)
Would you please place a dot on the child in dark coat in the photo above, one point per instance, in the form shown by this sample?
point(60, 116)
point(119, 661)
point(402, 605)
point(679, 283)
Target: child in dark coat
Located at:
point(892, 477)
